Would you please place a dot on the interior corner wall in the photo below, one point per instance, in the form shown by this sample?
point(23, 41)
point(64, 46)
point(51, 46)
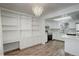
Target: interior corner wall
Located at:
point(43, 33)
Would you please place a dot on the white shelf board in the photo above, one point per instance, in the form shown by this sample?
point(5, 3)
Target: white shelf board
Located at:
point(9, 30)
point(8, 16)
point(35, 25)
point(8, 25)
point(26, 30)
point(35, 30)
point(7, 42)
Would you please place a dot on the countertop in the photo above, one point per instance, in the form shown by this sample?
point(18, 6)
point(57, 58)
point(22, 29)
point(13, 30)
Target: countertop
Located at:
point(71, 37)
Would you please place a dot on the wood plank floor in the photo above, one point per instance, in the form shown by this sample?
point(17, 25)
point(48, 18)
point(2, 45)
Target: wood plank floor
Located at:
point(52, 48)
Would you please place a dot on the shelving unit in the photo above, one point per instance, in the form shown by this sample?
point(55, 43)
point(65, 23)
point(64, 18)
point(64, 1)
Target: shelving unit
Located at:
point(35, 27)
point(19, 30)
point(9, 26)
point(36, 31)
point(10, 30)
point(26, 31)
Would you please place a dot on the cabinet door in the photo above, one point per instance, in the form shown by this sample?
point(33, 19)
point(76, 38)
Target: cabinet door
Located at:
point(72, 24)
point(77, 26)
point(1, 45)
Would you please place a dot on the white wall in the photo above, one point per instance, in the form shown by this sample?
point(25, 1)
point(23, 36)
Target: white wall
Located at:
point(1, 42)
point(43, 33)
point(53, 24)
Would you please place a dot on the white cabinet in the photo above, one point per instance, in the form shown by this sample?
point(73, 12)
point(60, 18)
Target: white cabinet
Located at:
point(77, 29)
point(71, 24)
point(58, 35)
point(77, 26)
point(71, 45)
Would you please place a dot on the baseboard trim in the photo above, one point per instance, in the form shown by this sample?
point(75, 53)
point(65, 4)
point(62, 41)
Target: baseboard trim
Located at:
point(11, 51)
point(69, 54)
point(58, 40)
point(31, 46)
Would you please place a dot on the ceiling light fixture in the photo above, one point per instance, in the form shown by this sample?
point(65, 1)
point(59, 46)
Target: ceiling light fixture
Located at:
point(63, 18)
point(37, 10)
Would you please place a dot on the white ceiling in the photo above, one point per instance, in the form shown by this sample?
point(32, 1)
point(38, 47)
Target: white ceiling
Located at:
point(27, 7)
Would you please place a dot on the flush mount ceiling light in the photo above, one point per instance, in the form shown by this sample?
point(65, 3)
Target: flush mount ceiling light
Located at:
point(37, 10)
point(63, 18)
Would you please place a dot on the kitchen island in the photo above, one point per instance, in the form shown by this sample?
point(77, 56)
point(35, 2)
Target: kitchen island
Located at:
point(72, 45)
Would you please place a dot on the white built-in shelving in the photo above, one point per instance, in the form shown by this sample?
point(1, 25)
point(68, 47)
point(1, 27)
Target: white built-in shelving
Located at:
point(9, 26)
point(19, 28)
point(35, 27)
point(26, 27)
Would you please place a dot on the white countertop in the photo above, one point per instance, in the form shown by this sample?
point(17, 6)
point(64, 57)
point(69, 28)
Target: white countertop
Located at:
point(70, 37)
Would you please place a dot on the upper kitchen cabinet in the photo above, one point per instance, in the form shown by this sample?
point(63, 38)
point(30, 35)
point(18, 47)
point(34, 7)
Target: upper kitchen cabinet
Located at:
point(71, 24)
point(77, 26)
